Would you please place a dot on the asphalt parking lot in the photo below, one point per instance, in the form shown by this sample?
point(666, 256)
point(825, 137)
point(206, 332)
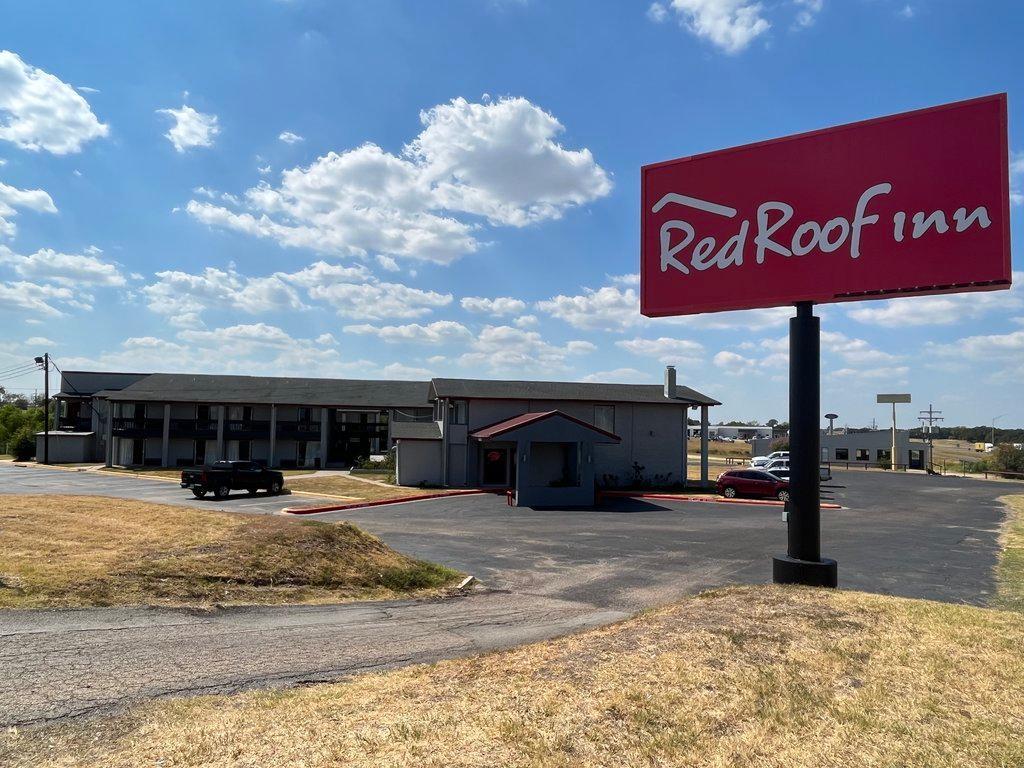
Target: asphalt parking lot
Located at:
point(547, 572)
point(906, 534)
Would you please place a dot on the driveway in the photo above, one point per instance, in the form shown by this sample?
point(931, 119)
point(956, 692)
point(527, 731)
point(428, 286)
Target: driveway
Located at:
point(546, 572)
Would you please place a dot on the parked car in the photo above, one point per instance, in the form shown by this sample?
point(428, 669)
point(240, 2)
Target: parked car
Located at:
point(775, 464)
point(222, 477)
point(824, 473)
point(760, 461)
point(752, 482)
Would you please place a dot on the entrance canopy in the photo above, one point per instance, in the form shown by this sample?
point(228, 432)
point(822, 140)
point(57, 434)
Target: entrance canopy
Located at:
point(550, 456)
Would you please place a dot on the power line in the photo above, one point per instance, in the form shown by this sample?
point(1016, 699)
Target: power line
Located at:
point(18, 368)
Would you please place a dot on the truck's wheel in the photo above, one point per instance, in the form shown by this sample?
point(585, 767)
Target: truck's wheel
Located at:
point(221, 491)
point(275, 488)
point(199, 493)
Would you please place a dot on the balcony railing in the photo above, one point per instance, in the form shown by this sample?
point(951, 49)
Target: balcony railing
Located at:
point(299, 430)
point(75, 424)
point(194, 428)
point(235, 428)
point(137, 427)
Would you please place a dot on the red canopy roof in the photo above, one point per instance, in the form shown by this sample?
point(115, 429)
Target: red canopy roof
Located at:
point(502, 427)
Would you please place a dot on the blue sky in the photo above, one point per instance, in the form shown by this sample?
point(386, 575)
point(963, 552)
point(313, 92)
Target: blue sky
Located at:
point(402, 190)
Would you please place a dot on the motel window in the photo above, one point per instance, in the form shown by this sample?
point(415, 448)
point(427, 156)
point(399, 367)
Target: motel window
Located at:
point(863, 454)
point(458, 412)
point(842, 454)
point(604, 417)
point(884, 454)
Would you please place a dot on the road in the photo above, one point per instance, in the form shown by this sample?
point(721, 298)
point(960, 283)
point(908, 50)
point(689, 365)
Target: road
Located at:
point(547, 573)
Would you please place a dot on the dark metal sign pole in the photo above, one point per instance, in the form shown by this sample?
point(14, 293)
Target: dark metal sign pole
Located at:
point(803, 563)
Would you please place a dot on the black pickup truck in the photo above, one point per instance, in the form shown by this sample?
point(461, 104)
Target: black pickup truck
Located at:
point(222, 477)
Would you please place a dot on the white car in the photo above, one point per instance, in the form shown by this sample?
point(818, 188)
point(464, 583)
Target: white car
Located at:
point(761, 461)
point(775, 464)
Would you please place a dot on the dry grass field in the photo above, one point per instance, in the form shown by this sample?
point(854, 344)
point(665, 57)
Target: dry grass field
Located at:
point(61, 551)
point(755, 676)
point(721, 449)
point(350, 488)
point(1010, 572)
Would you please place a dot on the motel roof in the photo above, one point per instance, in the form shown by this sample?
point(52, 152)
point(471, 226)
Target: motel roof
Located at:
point(206, 388)
point(483, 389)
point(415, 430)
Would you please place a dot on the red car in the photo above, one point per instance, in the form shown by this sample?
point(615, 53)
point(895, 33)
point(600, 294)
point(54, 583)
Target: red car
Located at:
point(752, 482)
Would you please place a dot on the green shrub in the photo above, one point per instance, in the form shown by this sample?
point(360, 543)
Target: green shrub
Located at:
point(23, 444)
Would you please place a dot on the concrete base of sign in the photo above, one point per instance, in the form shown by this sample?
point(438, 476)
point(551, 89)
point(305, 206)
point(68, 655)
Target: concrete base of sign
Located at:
point(810, 573)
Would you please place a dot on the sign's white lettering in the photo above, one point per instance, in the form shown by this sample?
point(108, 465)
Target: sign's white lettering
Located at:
point(677, 234)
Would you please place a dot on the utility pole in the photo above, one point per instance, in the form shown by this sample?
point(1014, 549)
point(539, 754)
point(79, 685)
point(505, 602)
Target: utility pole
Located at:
point(930, 416)
point(994, 420)
point(44, 362)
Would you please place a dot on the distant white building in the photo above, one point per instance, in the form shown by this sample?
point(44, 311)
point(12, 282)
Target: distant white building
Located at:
point(735, 433)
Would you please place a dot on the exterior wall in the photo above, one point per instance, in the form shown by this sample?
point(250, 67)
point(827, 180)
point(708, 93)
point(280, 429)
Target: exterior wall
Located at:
point(418, 462)
point(660, 453)
point(65, 448)
point(180, 450)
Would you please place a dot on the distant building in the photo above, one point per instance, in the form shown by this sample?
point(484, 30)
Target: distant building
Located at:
point(871, 448)
point(733, 433)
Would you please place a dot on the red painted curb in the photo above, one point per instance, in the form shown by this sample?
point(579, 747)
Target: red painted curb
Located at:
point(377, 503)
point(706, 499)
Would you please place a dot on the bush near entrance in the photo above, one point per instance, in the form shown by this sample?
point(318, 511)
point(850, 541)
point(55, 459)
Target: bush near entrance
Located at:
point(23, 444)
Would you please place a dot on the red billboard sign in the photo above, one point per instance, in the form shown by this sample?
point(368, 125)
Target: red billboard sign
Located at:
point(915, 203)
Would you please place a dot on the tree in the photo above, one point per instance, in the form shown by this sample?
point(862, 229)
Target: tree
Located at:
point(23, 445)
point(1006, 458)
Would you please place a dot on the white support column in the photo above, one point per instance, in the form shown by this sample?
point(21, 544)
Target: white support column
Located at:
point(165, 448)
point(704, 444)
point(110, 435)
point(220, 432)
point(273, 435)
point(324, 426)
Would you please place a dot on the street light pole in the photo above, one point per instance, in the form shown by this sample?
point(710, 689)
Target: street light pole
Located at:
point(44, 363)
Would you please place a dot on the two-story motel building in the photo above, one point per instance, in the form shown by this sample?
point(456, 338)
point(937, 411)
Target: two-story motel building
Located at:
point(448, 432)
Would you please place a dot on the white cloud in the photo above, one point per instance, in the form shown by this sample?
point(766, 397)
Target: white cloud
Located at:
point(404, 372)
point(631, 279)
point(657, 13)
point(526, 321)
point(191, 128)
point(613, 308)
point(439, 332)
point(984, 347)
point(665, 349)
point(40, 300)
point(807, 10)
point(497, 160)
point(183, 297)
point(730, 25)
point(854, 351)
point(47, 265)
point(503, 305)
point(1016, 177)
point(12, 199)
point(892, 374)
point(621, 376)
point(239, 349)
point(940, 310)
point(290, 138)
point(38, 111)
point(608, 308)
point(503, 349)
point(733, 363)
point(906, 12)
point(377, 300)
point(264, 170)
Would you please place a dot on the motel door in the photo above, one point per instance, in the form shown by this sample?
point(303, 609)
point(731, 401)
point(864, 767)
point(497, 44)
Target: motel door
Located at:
point(495, 466)
point(916, 459)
